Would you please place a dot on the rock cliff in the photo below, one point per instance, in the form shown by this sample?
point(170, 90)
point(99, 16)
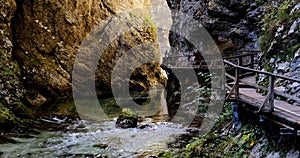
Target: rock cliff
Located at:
point(11, 89)
point(232, 24)
point(40, 40)
point(49, 33)
point(281, 43)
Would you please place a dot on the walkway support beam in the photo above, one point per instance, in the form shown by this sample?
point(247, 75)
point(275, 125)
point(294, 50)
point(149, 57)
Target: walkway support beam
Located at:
point(237, 82)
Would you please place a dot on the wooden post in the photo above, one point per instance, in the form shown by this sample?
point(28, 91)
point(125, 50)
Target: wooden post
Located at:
point(237, 80)
point(240, 64)
point(252, 61)
point(271, 92)
point(240, 61)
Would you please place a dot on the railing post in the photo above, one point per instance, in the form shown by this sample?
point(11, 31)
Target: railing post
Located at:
point(237, 80)
point(252, 60)
point(271, 92)
point(240, 61)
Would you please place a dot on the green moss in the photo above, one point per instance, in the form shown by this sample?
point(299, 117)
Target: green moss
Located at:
point(13, 113)
point(293, 49)
point(141, 13)
point(6, 115)
point(127, 113)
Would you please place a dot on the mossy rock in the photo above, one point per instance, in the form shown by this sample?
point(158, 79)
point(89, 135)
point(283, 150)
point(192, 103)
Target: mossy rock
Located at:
point(127, 113)
point(127, 119)
point(7, 118)
point(6, 115)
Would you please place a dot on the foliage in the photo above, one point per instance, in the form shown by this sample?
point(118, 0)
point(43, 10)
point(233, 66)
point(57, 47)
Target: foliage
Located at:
point(204, 92)
point(212, 144)
point(6, 115)
point(9, 121)
point(217, 145)
point(277, 21)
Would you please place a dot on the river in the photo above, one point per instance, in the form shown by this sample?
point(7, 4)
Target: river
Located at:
point(89, 137)
point(96, 139)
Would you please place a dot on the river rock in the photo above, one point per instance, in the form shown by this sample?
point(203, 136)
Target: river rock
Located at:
point(101, 146)
point(127, 119)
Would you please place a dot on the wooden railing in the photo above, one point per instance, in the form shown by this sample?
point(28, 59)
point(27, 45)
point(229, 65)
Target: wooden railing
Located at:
point(237, 67)
point(182, 61)
point(245, 58)
point(237, 79)
point(242, 58)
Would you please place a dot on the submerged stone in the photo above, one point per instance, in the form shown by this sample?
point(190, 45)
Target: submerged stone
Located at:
point(102, 146)
point(4, 140)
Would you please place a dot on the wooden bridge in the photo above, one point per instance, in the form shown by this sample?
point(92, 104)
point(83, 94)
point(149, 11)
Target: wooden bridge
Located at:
point(262, 100)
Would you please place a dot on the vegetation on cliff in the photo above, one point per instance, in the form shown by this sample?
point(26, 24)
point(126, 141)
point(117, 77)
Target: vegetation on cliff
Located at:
point(280, 29)
point(280, 44)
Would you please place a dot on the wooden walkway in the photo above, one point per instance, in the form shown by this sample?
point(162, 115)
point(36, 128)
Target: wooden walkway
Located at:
point(242, 88)
point(281, 109)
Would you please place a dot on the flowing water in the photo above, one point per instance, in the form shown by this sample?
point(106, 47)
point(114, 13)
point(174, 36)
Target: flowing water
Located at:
point(97, 139)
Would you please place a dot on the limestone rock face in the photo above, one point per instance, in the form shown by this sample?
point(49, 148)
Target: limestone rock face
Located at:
point(48, 35)
point(8, 69)
point(232, 24)
point(281, 30)
point(11, 89)
point(281, 44)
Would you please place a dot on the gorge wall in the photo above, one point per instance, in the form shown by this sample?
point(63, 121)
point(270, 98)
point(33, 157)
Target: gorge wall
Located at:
point(234, 25)
point(281, 44)
point(40, 40)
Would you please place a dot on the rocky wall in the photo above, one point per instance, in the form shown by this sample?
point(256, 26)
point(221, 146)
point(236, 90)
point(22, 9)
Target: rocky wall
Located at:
point(48, 34)
point(281, 44)
point(39, 43)
point(234, 25)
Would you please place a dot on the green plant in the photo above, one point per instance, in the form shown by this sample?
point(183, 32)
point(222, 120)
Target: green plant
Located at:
point(277, 15)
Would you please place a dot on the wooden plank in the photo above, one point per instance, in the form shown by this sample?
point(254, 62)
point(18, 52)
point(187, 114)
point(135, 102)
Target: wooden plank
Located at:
point(280, 106)
point(229, 76)
point(281, 110)
point(239, 56)
point(266, 90)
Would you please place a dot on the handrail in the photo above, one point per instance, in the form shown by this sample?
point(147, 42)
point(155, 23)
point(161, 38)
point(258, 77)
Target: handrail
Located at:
point(271, 88)
point(248, 53)
point(262, 72)
point(240, 55)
